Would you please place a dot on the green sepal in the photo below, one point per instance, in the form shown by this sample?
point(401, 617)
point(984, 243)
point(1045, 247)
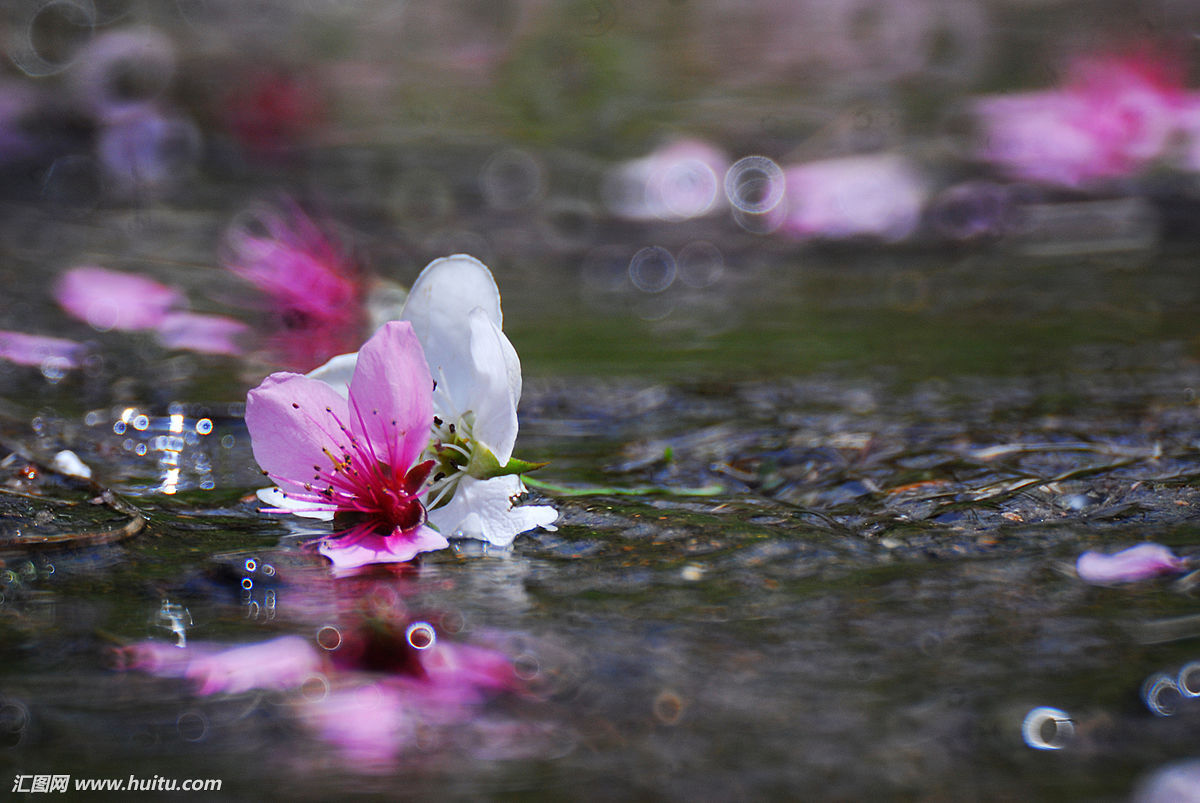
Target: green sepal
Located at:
point(484, 465)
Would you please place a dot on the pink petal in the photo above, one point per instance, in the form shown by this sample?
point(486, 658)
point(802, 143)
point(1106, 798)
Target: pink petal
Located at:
point(1136, 563)
point(368, 724)
point(391, 396)
point(281, 663)
point(292, 425)
point(36, 350)
point(358, 550)
point(209, 334)
point(110, 300)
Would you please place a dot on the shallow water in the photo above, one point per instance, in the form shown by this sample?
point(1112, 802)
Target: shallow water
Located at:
point(846, 568)
point(820, 503)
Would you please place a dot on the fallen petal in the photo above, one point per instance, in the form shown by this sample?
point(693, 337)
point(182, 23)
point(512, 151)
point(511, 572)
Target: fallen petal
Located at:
point(107, 299)
point(36, 350)
point(1129, 565)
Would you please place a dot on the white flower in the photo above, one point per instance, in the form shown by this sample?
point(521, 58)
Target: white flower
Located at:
point(454, 308)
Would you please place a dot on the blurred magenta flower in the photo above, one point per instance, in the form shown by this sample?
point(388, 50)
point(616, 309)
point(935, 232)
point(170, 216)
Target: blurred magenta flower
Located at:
point(313, 290)
point(40, 351)
point(270, 111)
point(878, 195)
point(454, 310)
point(1129, 565)
point(679, 181)
point(126, 302)
point(354, 456)
point(1113, 116)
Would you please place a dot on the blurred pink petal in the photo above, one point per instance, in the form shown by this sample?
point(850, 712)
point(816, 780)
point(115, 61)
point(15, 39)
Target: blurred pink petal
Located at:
point(1129, 565)
point(283, 663)
point(368, 724)
point(880, 195)
point(312, 289)
point(108, 299)
point(355, 549)
point(36, 350)
point(208, 334)
point(679, 181)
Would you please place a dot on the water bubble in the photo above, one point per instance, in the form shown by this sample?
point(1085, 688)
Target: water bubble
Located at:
point(92, 419)
point(140, 450)
point(668, 707)
point(247, 583)
point(55, 369)
point(228, 441)
point(453, 622)
point(1161, 695)
point(512, 179)
point(329, 638)
point(1188, 680)
point(687, 189)
point(204, 426)
point(141, 423)
point(46, 41)
point(251, 565)
point(700, 264)
point(754, 184)
point(119, 427)
point(526, 666)
point(268, 570)
point(1047, 728)
point(192, 726)
point(652, 269)
point(14, 719)
point(420, 635)
point(315, 688)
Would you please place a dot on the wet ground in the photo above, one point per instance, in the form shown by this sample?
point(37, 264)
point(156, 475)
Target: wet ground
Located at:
point(819, 512)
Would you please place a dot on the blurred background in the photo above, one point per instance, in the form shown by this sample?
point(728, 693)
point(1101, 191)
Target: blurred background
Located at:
point(851, 322)
point(868, 180)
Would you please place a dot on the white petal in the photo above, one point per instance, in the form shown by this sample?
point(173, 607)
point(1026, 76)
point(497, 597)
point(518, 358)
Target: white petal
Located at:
point(495, 392)
point(337, 373)
point(273, 497)
point(481, 509)
point(438, 306)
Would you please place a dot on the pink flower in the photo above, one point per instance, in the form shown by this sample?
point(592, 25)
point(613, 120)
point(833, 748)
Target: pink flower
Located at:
point(353, 456)
point(1114, 116)
point(1129, 565)
point(39, 351)
point(311, 286)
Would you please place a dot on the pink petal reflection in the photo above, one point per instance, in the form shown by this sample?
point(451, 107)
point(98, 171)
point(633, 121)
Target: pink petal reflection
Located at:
point(208, 334)
point(107, 299)
point(38, 350)
point(282, 663)
point(1129, 565)
point(368, 724)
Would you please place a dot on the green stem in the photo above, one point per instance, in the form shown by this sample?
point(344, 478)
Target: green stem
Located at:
point(645, 490)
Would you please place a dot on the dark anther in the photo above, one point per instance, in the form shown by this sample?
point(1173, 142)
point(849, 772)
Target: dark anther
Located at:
point(295, 406)
point(437, 422)
point(441, 475)
point(451, 429)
